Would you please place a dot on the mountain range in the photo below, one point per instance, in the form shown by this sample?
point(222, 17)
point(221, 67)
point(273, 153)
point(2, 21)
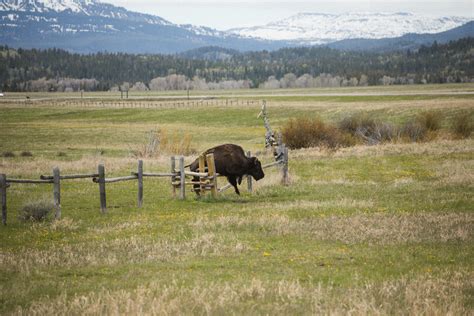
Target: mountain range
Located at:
point(318, 28)
point(86, 26)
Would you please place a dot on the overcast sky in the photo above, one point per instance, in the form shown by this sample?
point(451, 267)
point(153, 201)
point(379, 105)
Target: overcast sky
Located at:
point(227, 14)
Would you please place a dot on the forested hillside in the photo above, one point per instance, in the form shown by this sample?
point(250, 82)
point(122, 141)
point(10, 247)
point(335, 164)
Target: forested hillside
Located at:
point(59, 70)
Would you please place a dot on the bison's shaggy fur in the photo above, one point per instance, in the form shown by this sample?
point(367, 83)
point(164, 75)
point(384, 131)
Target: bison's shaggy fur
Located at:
point(231, 162)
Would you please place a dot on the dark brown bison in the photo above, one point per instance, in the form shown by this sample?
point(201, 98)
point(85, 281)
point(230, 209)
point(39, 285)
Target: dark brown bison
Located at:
point(231, 162)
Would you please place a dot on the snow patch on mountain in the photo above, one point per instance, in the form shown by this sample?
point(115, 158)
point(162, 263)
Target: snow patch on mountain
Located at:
point(83, 7)
point(46, 5)
point(319, 28)
point(203, 30)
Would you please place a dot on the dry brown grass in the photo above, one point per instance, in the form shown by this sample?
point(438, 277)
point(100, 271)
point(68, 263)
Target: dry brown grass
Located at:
point(380, 228)
point(439, 147)
point(442, 294)
point(342, 182)
point(217, 237)
point(176, 144)
point(272, 178)
point(313, 205)
point(116, 251)
point(457, 172)
point(64, 224)
point(401, 106)
point(161, 142)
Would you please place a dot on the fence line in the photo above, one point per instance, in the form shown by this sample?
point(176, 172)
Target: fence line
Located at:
point(207, 181)
point(135, 103)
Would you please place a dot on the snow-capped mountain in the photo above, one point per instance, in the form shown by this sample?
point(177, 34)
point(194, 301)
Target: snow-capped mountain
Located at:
point(47, 5)
point(90, 25)
point(87, 26)
point(317, 28)
point(80, 7)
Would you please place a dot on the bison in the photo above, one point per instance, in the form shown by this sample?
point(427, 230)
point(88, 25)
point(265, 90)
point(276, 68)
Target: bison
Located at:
point(231, 162)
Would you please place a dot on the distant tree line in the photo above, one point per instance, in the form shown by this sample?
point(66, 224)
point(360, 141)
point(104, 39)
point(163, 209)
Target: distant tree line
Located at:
point(59, 70)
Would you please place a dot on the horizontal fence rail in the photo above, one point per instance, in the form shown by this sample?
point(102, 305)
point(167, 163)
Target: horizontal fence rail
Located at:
point(71, 176)
point(117, 179)
point(162, 174)
point(202, 182)
point(271, 164)
point(29, 181)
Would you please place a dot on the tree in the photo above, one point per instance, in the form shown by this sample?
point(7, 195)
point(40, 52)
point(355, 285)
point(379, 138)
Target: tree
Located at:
point(139, 86)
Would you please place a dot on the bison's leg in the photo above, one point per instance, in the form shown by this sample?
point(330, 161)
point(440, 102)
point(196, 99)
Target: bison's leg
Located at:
point(239, 180)
point(232, 180)
point(194, 167)
point(196, 187)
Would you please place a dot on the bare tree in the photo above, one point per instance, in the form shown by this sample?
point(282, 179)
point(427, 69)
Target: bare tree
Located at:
point(271, 83)
point(304, 81)
point(364, 80)
point(288, 81)
point(139, 86)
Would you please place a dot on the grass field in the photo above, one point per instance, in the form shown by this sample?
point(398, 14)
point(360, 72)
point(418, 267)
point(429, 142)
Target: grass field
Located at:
point(384, 229)
point(414, 90)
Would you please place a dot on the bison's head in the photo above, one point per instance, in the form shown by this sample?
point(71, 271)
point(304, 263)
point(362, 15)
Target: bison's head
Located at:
point(255, 169)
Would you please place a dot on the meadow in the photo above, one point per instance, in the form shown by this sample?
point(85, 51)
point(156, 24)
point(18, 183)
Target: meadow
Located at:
point(383, 229)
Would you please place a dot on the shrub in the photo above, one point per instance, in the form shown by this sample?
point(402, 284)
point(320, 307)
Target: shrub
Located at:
point(26, 154)
point(379, 133)
point(36, 211)
point(368, 129)
point(430, 120)
point(462, 125)
point(304, 133)
point(357, 124)
point(61, 154)
point(8, 154)
point(414, 131)
point(159, 141)
point(179, 145)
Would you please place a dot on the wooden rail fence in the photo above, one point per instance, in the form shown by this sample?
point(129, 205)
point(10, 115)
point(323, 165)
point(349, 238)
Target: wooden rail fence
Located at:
point(207, 181)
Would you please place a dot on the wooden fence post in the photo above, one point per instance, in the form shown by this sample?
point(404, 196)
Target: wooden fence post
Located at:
point(280, 151)
point(202, 169)
point(3, 193)
point(249, 177)
point(173, 178)
point(182, 178)
point(284, 169)
point(140, 183)
point(211, 172)
point(103, 203)
point(57, 192)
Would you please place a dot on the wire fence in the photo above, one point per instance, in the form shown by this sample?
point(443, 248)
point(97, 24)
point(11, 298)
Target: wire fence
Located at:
point(130, 103)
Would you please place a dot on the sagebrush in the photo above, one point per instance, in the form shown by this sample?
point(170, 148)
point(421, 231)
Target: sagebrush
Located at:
point(36, 211)
point(414, 131)
point(430, 120)
point(368, 130)
point(462, 125)
point(305, 133)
